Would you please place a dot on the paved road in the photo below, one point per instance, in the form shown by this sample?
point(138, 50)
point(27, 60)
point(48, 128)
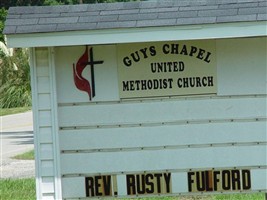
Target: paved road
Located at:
point(16, 134)
point(16, 137)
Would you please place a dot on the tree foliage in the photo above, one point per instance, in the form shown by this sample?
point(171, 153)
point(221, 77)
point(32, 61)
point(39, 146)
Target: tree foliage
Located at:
point(9, 3)
point(15, 89)
point(3, 14)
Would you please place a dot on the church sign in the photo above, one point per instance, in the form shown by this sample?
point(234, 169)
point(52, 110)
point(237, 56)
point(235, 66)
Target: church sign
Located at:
point(167, 69)
point(144, 99)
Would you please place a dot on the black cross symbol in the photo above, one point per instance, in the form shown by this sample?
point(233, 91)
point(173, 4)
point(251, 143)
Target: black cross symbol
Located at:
point(92, 63)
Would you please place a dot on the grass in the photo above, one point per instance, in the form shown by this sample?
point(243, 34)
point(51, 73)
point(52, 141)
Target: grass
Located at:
point(29, 155)
point(17, 189)
point(10, 111)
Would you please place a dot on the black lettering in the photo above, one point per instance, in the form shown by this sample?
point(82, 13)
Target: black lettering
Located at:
point(166, 48)
point(107, 185)
point(170, 80)
point(200, 54)
point(204, 81)
point(200, 179)
point(140, 184)
point(152, 50)
point(198, 82)
point(179, 82)
point(164, 84)
point(156, 84)
point(192, 81)
point(89, 186)
point(158, 176)
point(175, 67)
point(170, 65)
point(160, 83)
point(174, 48)
point(215, 180)
point(207, 60)
point(143, 82)
point(143, 51)
point(167, 177)
point(160, 67)
point(125, 85)
point(97, 186)
point(184, 51)
point(150, 185)
point(226, 177)
point(185, 82)
point(236, 185)
point(127, 62)
point(181, 66)
point(192, 51)
point(246, 180)
point(210, 81)
point(153, 67)
point(137, 83)
point(130, 181)
point(190, 180)
point(149, 84)
point(131, 85)
point(135, 56)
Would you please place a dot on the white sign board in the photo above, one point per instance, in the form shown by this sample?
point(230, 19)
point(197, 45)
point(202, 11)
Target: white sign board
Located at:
point(116, 140)
point(167, 69)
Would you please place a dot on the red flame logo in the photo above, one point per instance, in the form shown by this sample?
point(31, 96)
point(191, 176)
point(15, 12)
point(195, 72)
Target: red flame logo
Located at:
point(80, 82)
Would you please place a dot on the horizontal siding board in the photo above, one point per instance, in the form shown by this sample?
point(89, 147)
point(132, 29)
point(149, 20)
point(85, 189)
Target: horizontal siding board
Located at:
point(45, 135)
point(41, 55)
point(47, 167)
point(260, 179)
point(42, 63)
point(46, 151)
point(73, 187)
point(44, 101)
point(193, 134)
point(45, 118)
point(208, 157)
point(47, 185)
point(241, 75)
point(42, 70)
point(165, 111)
point(43, 85)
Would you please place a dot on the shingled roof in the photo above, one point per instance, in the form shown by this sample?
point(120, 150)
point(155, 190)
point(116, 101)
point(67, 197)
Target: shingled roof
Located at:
point(45, 19)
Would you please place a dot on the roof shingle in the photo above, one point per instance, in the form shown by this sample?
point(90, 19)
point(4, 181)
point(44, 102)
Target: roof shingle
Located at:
point(46, 19)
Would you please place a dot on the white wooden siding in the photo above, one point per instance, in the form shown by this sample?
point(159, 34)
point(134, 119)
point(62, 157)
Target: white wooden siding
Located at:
point(162, 112)
point(242, 66)
point(153, 160)
point(110, 136)
point(44, 126)
point(174, 135)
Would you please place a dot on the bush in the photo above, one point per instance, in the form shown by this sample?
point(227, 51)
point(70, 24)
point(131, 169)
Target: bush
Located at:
point(15, 89)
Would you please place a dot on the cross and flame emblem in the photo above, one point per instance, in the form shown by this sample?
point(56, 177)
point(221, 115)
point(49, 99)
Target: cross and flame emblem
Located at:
point(80, 82)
